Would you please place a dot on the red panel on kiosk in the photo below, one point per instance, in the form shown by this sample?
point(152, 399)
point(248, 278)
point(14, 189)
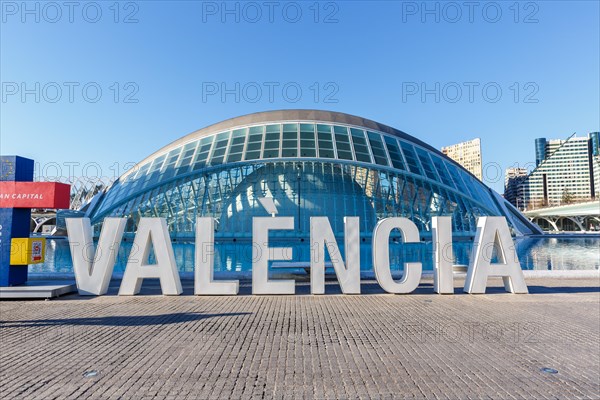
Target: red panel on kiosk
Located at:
point(34, 195)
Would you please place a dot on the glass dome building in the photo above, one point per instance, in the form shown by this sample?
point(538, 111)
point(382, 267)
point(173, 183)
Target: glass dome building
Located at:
point(312, 163)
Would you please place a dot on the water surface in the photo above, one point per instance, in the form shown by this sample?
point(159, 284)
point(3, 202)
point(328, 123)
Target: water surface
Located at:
point(534, 253)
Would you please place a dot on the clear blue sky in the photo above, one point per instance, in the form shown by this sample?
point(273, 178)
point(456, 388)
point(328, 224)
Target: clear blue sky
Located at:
point(368, 57)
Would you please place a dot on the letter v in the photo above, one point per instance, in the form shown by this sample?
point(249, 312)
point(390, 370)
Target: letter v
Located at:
point(93, 267)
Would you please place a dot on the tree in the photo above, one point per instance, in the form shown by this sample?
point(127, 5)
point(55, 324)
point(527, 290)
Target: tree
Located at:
point(567, 197)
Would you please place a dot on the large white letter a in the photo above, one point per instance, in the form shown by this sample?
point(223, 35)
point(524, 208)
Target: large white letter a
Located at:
point(493, 232)
point(152, 231)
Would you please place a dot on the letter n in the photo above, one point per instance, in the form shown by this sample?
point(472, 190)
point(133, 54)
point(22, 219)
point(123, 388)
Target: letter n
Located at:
point(322, 238)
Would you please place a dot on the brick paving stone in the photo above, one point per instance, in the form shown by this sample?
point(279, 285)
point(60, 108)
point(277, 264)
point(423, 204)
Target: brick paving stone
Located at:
point(372, 346)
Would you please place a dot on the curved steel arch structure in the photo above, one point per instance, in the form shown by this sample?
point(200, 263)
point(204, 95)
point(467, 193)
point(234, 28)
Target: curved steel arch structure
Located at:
point(313, 163)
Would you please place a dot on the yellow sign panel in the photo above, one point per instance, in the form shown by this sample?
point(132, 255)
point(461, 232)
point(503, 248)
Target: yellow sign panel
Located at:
point(24, 251)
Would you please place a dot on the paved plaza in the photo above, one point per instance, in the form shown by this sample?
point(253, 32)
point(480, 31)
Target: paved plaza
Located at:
point(334, 346)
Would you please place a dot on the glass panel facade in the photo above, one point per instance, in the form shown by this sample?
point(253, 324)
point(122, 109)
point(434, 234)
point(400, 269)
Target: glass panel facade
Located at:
point(186, 157)
point(308, 147)
point(168, 169)
point(236, 149)
point(379, 153)
point(230, 195)
point(361, 150)
point(272, 141)
point(411, 158)
point(427, 164)
point(202, 154)
point(255, 140)
point(325, 141)
point(442, 171)
point(223, 174)
point(394, 152)
point(342, 143)
point(289, 143)
point(219, 149)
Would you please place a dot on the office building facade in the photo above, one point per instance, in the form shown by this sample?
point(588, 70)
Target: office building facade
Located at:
point(566, 171)
point(513, 186)
point(468, 155)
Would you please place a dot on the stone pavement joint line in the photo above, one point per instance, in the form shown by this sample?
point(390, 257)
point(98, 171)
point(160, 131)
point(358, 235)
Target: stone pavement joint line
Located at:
point(373, 346)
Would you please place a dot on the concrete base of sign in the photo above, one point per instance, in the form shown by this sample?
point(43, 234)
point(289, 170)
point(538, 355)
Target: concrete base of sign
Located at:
point(37, 290)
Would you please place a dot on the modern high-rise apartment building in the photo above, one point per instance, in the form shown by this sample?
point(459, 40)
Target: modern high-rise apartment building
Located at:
point(595, 143)
point(566, 171)
point(467, 154)
point(513, 186)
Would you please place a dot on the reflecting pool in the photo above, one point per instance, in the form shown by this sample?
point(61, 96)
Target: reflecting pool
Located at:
point(535, 253)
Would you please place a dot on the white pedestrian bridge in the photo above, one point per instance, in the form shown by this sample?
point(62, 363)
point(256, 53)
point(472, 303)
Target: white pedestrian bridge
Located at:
point(582, 217)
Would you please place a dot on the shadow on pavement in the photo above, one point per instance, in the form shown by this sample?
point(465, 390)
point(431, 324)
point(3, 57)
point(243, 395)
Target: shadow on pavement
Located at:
point(120, 320)
point(151, 287)
point(563, 289)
